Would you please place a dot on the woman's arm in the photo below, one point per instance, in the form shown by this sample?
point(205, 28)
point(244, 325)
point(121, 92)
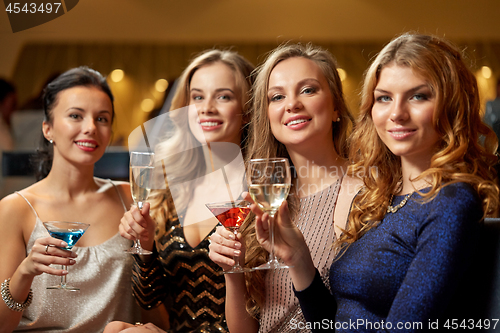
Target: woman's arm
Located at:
point(446, 242)
point(13, 262)
point(316, 302)
point(148, 283)
point(223, 247)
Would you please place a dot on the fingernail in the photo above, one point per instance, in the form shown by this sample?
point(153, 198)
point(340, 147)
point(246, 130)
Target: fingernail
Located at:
point(64, 272)
point(74, 255)
point(71, 261)
point(237, 252)
point(231, 236)
point(237, 245)
point(64, 244)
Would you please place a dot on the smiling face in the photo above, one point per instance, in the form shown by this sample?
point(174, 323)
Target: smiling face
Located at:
point(301, 107)
point(403, 112)
point(218, 112)
point(81, 124)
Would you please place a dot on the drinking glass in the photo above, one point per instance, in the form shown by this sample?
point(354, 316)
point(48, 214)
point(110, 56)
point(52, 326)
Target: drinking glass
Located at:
point(70, 232)
point(231, 214)
point(141, 175)
point(269, 182)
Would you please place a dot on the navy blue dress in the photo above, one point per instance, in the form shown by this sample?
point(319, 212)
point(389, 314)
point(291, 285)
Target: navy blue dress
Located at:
point(401, 275)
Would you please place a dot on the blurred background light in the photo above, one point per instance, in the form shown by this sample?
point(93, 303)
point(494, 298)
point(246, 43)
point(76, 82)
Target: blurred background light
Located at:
point(147, 105)
point(342, 74)
point(161, 85)
point(117, 75)
point(486, 72)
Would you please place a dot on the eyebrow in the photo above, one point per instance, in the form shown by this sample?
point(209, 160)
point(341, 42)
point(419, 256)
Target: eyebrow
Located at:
point(216, 90)
point(82, 110)
point(301, 82)
point(412, 90)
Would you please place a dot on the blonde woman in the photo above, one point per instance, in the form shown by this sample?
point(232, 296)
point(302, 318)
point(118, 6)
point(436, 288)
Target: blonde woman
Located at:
point(179, 272)
point(413, 230)
point(300, 113)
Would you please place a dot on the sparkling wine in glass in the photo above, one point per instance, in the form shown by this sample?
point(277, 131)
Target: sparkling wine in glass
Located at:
point(231, 214)
point(141, 175)
point(269, 182)
point(70, 232)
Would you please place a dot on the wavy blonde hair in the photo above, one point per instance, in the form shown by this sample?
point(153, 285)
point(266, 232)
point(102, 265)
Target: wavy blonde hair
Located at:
point(263, 144)
point(459, 156)
point(191, 163)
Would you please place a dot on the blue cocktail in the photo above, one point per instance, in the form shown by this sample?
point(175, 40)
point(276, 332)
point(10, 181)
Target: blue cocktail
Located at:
point(69, 232)
point(69, 236)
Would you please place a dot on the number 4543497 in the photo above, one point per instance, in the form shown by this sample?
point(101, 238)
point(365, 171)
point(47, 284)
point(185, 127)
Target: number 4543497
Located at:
point(486, 324)
point(32, 7)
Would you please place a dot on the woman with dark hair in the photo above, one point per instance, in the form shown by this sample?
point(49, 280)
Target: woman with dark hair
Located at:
point(78, 108)
point(414, 227)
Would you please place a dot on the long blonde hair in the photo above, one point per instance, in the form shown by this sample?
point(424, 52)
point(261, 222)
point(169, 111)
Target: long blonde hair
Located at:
point(191, 163)
point(263, 144)
point(459, 156)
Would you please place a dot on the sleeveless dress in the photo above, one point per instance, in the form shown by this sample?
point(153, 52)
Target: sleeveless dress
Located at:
point(281, 310)
point(183, 278)
point(103, 274)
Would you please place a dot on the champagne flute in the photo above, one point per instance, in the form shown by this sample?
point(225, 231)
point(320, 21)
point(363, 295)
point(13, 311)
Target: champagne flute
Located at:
point(231, 214)
point(70, 232)
point(269, 182)
point(141, 174)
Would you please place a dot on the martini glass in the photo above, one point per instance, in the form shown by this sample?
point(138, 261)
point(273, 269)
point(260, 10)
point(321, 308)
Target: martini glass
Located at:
point(141, 174)
point(231, 214)
point(269, 182)
point(70, 232)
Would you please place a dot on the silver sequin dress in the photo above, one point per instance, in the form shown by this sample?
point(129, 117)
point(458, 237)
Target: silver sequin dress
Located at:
point(103, 274)
point(281, 311)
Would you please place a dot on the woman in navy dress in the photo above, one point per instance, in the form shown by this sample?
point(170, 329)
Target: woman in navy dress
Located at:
point(413, 228)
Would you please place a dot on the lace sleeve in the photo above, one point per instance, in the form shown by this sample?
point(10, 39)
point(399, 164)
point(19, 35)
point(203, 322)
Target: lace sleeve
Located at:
point(148, 285)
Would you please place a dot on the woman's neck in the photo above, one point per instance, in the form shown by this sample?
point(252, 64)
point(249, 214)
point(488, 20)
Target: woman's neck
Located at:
point(411, 170)
point(317, 169)
point(220, 154)
point(66, 179)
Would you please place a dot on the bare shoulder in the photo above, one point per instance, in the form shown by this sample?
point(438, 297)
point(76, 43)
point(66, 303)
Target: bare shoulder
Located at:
point(350, 186)
point(15, 213)
point(112, 186)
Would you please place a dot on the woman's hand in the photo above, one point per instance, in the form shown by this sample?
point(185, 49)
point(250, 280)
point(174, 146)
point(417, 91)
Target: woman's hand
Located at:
point(224, 246)
point(45, 252)
point(138, 224)
point(289, 243)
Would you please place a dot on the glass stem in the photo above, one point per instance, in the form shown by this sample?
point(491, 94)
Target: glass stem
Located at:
point(63, 278)
point(236, 258)
point(137, 242)
point(272, 257)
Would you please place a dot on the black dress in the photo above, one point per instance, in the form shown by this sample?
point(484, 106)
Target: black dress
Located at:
point(184, 278)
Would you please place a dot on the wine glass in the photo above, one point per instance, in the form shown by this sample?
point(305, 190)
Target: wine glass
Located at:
point(70, 232)
point(269, 181)
point(141, 174)
point(231, 214)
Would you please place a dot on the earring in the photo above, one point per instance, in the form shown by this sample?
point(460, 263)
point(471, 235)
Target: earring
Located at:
point(338, 119)
point(51, 141)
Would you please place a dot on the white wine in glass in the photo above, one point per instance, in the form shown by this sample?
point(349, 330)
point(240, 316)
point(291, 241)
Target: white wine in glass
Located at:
point(141, 177)
point(269, 182)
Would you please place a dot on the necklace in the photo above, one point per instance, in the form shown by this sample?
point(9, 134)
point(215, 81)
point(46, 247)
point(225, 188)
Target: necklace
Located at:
point(393, 209)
